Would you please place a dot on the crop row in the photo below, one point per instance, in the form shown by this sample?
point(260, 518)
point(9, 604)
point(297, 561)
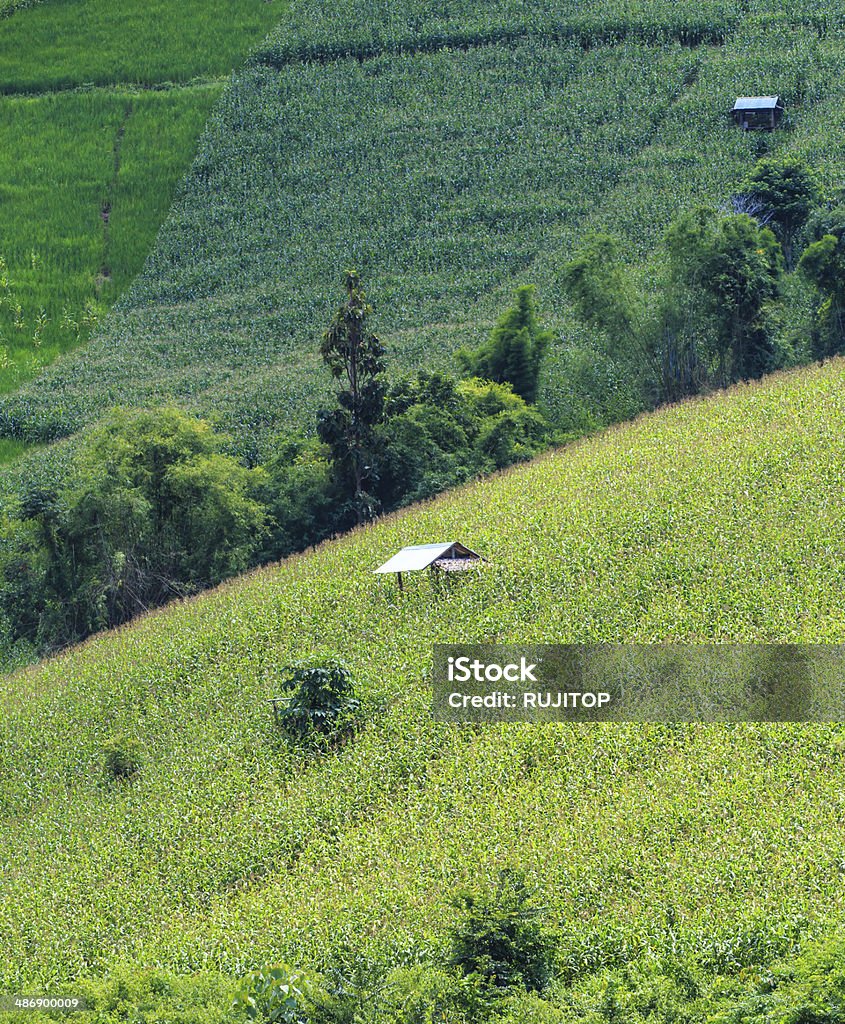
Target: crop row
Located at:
point(315, 31)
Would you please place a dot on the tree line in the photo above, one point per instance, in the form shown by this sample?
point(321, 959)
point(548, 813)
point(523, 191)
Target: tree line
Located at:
point(149, 505)
point(730, 297)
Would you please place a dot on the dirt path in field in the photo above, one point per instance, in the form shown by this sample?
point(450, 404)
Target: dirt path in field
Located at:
point(104, 275)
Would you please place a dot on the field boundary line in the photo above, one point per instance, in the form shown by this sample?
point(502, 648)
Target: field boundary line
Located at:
point(130, 88)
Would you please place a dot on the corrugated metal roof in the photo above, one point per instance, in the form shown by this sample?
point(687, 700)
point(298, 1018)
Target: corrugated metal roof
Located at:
point(421, 556)
point(756, 103)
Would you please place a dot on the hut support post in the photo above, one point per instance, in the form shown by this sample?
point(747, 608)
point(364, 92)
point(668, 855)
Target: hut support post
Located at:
point(399, 581)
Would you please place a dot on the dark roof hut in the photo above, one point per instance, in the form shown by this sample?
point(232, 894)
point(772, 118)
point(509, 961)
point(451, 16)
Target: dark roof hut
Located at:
point(757, 111)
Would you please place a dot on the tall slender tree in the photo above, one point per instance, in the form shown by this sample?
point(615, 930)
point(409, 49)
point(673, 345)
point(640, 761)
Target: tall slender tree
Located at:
point(355, 358)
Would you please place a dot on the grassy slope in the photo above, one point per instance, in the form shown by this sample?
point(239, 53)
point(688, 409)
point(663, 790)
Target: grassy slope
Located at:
point(123, 152)
point(495, 160)
point(718, 519)
point(66, 43)
point(88, 174)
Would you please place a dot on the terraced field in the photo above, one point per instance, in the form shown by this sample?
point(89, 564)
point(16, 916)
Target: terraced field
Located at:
point(452, 154)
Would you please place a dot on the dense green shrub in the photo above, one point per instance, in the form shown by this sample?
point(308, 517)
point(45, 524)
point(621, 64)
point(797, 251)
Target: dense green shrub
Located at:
point(151, 996)
point(322, 704)
point(514, 351)
point(712, 322)
point(439, 432)
point(423, 995)
point(123, 758)
point(500, 940)
point(513, 436)
point(274, 995)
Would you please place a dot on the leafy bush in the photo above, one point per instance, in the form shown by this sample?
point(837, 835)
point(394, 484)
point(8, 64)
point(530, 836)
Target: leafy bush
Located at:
point(500, 941)
point(147, 996)
point(274, 994)
point(513, 436)
point(529, 1008)
point(422, 995)
point(123, 757)
point(322, 704)
point(515, 349)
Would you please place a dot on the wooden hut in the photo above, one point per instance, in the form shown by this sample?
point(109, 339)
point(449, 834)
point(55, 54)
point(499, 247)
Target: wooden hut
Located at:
point(447, 557)
point(757, 112)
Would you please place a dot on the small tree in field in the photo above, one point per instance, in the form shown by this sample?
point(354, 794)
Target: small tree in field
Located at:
point(323, 700)
point(499, 941)
point(355, 358)
point(515, 349)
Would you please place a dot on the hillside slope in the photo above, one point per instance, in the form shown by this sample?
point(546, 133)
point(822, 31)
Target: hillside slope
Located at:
point(713, 520)
point(451, 157)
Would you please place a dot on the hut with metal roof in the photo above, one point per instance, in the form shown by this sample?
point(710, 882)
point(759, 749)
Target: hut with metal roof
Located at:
point(447, 557)
point(757, 111)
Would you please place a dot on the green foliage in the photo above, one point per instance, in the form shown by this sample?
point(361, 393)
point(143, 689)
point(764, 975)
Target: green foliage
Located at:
point(323, 702)
point(823, 264)
point(422, 995)
point(148, 996)
point(716, 520)
point(149, 509)
point(274, 994)
point(513, 436)
point(56, 46)
point(515, 349)
point(114, 153)
point(63, 264)
point(355, 357)
point(711, 323)
point(600, 288)
point(517, 161)
point(299, 496)
point(438, 432)
point(365, 29)
point(235, 858)
point(500, 940)
point(783, 192)
point(8, 7)
point(529, 1008)
point(433, 218)
point(123, 757)
point(742, 265)
point(809, 989)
